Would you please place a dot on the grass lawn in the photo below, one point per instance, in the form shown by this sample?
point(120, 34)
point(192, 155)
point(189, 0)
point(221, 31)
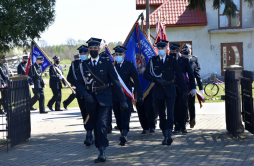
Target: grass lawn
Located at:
point(66, 92)
point(48, 95)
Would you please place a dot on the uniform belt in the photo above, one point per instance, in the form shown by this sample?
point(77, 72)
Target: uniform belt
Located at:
point(170, 82)
point(95, 89)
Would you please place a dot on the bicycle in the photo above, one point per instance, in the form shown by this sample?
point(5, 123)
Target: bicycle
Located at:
point(212, 89)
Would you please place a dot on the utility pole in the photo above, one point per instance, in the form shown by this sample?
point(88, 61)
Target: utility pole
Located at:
point(147, 19)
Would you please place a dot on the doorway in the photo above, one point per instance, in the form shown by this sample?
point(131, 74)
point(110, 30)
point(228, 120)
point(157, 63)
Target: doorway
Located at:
point(231, 54)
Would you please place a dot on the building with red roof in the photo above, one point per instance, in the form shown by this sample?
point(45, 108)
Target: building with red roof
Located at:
point(218, 41)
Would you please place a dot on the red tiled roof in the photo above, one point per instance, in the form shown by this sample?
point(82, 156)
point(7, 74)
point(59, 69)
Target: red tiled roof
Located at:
point(178, 15)
point(141, 4)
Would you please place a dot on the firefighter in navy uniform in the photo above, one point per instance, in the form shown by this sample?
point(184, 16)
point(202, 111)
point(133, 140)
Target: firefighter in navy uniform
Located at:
point(160, 70)
point(4, 72)
point(93, 84)
point(22, 71)
point(196, 70)
point(126, 71)
point(55, 83)
point(180, 110)
point(72, 78)
point(106, 55)
point(37, 84)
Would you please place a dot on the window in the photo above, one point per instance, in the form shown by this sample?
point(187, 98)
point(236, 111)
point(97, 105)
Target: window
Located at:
point(226, 22)
point(182, 43)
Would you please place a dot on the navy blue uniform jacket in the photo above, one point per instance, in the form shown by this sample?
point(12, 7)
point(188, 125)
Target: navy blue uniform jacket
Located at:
point(54, 81)
point(196, 69)
point(186, 68)
point(36, 80)
point(167, 69)
point(126, 72)
point(106, 72)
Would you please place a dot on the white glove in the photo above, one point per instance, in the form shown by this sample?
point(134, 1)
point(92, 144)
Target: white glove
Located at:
point(193, 92)
point(65, 86)
point(202, 92)
point(60, 77)
point(32, 86)
point(44, 86)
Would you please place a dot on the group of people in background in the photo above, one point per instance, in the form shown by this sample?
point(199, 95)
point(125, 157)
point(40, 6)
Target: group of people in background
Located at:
point(96, 81)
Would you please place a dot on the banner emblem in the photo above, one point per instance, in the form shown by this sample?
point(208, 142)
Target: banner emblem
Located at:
point(141, 63)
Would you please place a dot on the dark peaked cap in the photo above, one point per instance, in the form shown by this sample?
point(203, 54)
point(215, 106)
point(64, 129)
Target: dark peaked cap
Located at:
point(174, 46)
point(161, 43)
point(92, 42)
point(105, 54)
point(120, 49)
point(25, 57)
point(83, 49)
point(56, 57)
point(77, 56)
point(40, 58)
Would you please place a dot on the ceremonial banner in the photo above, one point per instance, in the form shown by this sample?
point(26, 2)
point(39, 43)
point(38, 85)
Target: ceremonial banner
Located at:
point(107, 49)
point(28, 64)
point(37, 51)
point(139, 50)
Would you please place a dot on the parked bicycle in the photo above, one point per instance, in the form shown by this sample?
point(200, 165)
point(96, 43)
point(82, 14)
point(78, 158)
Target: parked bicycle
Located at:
point(212, 89)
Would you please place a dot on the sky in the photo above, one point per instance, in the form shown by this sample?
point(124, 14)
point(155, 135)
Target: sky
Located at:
point(110, 20)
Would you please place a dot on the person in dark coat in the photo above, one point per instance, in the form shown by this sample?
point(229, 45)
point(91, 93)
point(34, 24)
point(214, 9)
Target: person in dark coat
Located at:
point(126, 71)
point(5, 81)
point(72, 78)
point(93, 84)
point(147, 114)
point(180, 111)
point(160, 70)
point(22, 71)
point(37, 84)
point(195, 65)
point(55, 83)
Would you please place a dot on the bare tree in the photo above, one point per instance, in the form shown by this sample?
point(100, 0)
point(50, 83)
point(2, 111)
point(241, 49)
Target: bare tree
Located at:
point(71, 42)
point(42, 43)
point(81, 42)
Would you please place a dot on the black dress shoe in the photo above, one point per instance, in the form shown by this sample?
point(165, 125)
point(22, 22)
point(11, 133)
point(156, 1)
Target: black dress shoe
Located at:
point(152, 130)
point(184, 131)
point(116, 128)
point(33, 109)
point(109, 130)
point(58, 110)
point(133, 111)
point(167, 137)
point(145, 131)
point(1, 112)
point(89, 138)
point(43, 112)
point(65, 106)
point(192, 123)
point(177, 132)
point(123, 138)
point(50, 108)
point(102, 156)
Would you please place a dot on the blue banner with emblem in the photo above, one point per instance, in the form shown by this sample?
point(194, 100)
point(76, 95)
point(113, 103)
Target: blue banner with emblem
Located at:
point(139, 50)
point(107, 49)
point(38, 52)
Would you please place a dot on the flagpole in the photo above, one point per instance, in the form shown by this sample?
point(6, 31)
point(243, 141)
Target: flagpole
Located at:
point(147, 19)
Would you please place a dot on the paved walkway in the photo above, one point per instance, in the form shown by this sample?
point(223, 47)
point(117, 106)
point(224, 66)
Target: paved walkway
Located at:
point(57, 139)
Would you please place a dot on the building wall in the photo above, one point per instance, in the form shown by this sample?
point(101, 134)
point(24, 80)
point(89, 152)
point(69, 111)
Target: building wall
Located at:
point(210, 59)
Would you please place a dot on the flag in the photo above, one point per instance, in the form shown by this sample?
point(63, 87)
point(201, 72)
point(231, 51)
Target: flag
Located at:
point(37, 51)
point(28, 64)
point(139, 50)
point(107, 49)
point(161, 33)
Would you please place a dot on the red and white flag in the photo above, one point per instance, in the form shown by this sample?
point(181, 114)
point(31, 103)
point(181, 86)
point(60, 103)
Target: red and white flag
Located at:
point(28, 64)
point(161, 33)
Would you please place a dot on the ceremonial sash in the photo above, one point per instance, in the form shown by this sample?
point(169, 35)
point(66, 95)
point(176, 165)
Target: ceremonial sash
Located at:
point(200, 97)
point(125, 88)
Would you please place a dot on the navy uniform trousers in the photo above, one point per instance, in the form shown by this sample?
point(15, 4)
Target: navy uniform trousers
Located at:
point(146, 112)
point(38, 95)
point(180, 111)
point(57, 96)
point(123, 118)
